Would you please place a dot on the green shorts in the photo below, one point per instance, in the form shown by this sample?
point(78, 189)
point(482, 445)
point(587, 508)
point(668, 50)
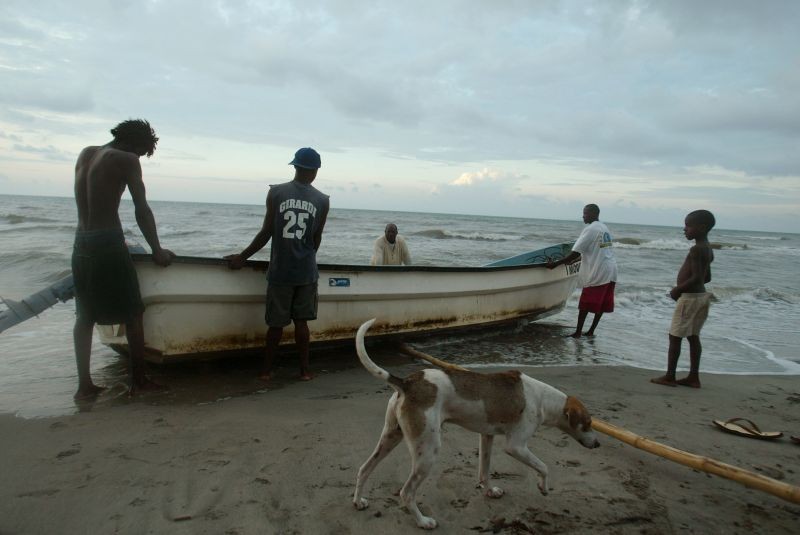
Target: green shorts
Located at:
point(287, 303)
point(106, 285)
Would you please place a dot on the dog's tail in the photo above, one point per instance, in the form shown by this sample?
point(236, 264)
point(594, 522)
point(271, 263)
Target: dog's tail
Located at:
point(371, 367)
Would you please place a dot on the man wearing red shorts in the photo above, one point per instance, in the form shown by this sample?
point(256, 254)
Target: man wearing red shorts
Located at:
point(598, 269)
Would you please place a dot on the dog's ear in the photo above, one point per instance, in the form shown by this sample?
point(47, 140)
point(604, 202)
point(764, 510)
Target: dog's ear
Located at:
point(571, 417)
point(573, 412)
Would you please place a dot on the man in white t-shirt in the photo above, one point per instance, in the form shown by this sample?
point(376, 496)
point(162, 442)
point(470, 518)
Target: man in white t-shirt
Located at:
point(390, 249)
point(598, 269)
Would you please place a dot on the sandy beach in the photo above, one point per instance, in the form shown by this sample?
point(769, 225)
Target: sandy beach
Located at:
point(284, 460)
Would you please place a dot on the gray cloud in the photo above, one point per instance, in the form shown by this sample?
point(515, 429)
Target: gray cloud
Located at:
point(631, 88)
point(48, 152)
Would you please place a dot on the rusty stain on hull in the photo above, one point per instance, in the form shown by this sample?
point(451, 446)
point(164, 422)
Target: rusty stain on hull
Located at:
point(217, 343)
point(435, 324)
point(237, 344)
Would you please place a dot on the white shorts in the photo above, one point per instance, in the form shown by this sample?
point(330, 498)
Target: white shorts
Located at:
point(691, 312)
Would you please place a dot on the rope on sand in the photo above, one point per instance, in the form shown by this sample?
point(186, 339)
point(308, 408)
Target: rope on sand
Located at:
point(777, 488)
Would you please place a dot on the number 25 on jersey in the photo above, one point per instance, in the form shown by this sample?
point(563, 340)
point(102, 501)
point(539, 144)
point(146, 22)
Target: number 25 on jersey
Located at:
point(296, 224)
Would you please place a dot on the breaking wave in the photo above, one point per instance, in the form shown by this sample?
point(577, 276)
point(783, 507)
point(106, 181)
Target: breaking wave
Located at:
point(33, 229)
point(754, 295)
point(645, 296)
point(671, 244)
point(437, 234)
point(16, 219)
point(182, 233)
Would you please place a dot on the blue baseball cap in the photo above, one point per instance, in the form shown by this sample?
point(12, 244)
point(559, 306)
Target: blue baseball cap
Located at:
point(307, 158)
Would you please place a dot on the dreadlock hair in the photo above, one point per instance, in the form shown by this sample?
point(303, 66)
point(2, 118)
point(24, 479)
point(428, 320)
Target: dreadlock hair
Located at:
point(137, 133)
point(704, 217)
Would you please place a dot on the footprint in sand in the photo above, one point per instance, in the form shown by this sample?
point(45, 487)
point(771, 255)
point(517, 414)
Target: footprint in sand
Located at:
point(637, 484)
point(69, 452)
point(38, 493)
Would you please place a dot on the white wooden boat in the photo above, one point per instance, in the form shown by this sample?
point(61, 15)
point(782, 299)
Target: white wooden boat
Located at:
point(197, 307)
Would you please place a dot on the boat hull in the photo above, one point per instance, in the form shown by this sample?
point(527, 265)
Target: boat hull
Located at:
point(197, 307)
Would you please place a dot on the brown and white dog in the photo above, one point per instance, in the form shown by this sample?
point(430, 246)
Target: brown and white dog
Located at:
point(507, 403)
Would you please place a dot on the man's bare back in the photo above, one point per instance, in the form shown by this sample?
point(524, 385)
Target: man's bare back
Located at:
point(106, 286)
point(101, 176)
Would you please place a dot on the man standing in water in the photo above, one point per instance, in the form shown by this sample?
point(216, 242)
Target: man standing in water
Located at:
point(295, 218)
point(598, 269)
point(106, 286)
point(390, 249)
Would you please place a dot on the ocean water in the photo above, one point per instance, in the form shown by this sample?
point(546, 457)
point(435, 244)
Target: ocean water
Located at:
point(753, 327)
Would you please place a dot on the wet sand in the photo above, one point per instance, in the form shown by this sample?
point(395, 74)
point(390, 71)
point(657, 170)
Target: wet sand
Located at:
point(284, 460)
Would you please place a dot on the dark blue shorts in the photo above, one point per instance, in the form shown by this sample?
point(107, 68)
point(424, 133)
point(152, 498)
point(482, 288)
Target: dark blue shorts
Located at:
point(287, 303)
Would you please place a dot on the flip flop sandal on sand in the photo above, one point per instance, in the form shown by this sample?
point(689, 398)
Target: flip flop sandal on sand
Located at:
point(742, 428)
point(796, 440)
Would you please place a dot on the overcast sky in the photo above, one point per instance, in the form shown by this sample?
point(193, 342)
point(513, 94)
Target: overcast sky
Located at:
point(507, 108)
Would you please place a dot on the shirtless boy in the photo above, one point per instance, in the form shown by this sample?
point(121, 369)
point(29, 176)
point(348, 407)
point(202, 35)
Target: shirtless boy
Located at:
point(106, 286)
point(691, 309)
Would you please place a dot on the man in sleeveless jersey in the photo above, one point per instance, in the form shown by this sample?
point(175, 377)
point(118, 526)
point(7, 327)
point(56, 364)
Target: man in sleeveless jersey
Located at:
point(296, 215)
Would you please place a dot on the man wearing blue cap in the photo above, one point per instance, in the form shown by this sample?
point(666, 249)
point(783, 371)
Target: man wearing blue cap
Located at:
point(296, 215)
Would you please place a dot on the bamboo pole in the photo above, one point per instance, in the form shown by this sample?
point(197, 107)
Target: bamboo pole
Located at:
point(780, 489)
point(405, 348)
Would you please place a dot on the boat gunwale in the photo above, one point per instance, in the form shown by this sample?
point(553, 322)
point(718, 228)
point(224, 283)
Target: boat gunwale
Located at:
point(155, 298)
point(262, 265)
